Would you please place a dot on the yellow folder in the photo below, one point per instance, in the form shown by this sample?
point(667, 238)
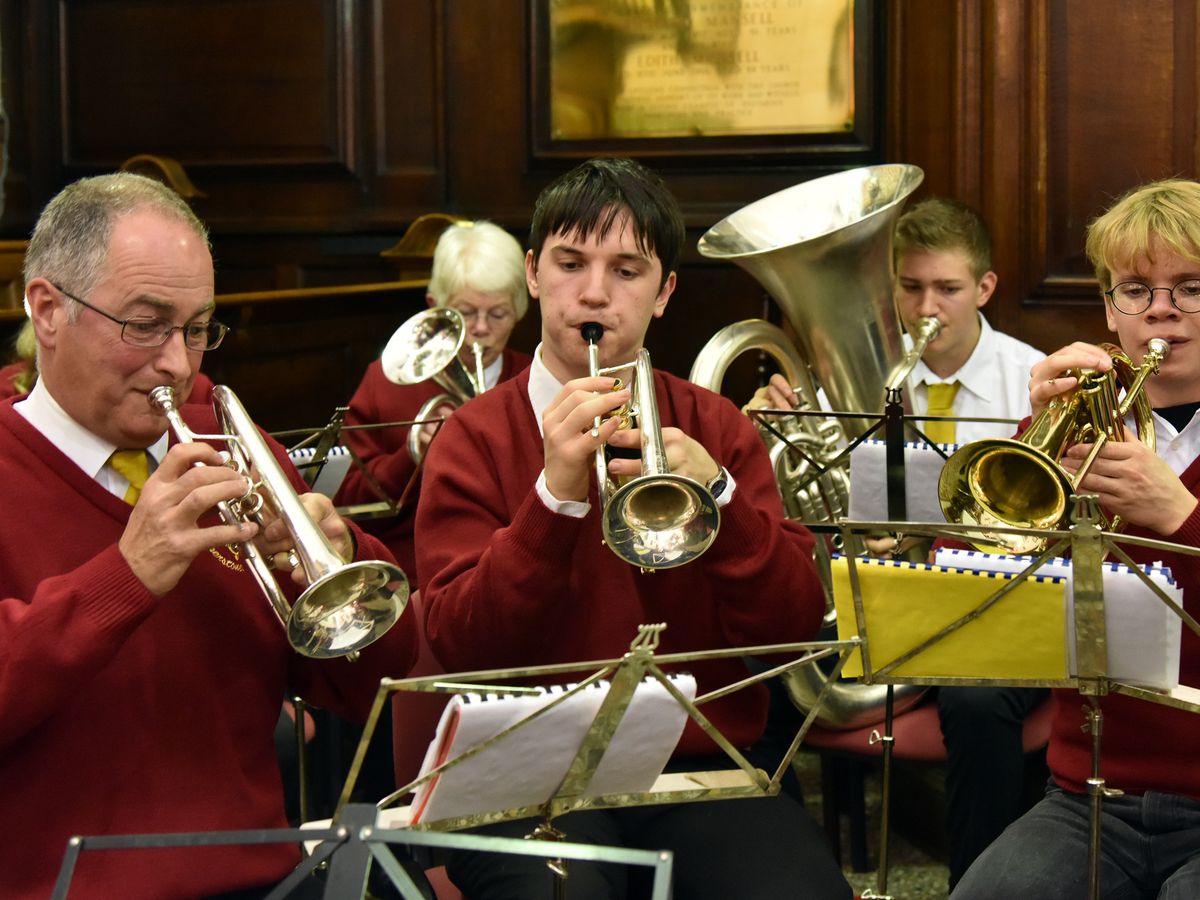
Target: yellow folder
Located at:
point(1020, 637)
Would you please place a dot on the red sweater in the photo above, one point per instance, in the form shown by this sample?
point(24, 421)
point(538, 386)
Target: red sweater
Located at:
point(509, 583)
point(1145, 746)
point(122, 713)
point(384, 451)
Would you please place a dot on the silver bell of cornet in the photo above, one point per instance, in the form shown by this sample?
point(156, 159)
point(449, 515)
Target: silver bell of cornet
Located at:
point(657, 520)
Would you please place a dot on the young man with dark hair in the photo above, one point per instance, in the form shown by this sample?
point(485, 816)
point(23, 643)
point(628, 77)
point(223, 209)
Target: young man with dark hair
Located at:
point(516, 573)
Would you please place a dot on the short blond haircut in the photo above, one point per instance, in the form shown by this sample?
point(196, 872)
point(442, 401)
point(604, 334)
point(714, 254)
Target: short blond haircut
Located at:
point(479, 256)
point(1165, 211)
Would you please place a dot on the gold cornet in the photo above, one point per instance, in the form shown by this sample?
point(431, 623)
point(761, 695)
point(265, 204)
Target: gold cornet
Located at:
point(657, 520)
point(1019, 482)
point(346, 606)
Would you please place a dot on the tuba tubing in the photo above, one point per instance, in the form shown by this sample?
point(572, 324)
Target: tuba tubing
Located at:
point(823, 250)
point(346, 606)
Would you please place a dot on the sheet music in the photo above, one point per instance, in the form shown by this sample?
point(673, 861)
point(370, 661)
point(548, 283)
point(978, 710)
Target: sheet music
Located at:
point(1142, 633)
point(526, 767)
point(868, 481)
point(337, 464)
point(1020, 638)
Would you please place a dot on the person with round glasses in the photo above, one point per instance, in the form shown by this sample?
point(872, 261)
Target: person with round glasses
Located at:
point(1146, 254)
point(478, 270)
point(143, 667)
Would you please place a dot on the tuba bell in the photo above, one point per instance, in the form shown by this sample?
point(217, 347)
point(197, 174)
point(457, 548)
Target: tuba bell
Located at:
point(426, 347)
point(346, 606)
point(823, 251)
point(1019, 482)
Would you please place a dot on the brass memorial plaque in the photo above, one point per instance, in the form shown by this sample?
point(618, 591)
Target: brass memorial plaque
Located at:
point(700, 68)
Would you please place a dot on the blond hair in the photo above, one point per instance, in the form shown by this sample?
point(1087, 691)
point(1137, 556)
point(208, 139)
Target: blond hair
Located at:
point(1166, 212)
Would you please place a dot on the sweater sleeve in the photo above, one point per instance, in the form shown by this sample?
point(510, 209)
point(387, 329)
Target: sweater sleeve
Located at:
point(495, 582)
point(761, 563)
point(58, 639)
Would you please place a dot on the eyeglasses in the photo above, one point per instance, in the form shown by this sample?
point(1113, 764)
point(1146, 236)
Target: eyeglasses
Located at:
point(148, 331)
point(497, 315)
point(1134, 297)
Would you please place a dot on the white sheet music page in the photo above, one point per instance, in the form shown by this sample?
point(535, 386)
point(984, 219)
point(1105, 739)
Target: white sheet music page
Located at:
point(868, 481)
point(526, 767)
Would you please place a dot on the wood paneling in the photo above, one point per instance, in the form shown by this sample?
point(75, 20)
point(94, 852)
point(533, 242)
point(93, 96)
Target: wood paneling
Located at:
point(319, 129)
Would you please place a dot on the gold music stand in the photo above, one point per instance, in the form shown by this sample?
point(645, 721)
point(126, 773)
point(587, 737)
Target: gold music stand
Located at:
point(624, 675)
point(325, 440)
point(1088, 547)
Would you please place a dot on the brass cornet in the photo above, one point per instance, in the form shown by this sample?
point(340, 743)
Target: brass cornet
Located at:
point(426, 347)
point(346, 606)
point(657, 520)
point(1019, 482)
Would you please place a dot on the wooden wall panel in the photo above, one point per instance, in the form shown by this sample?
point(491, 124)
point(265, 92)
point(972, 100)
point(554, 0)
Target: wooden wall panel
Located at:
point(319, 129)
point(1095, 130)
point(199, 66)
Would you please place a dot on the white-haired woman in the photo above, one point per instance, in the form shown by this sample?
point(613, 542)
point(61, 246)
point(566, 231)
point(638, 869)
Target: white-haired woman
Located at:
point(479, 270)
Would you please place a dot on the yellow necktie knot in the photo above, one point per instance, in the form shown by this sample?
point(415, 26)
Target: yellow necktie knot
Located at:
point(134, 467)
point(941, 403)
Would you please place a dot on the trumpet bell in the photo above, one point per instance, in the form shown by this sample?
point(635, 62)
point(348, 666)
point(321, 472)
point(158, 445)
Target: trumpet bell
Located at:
point(424, 346)
point(347, 609)
point(660, 521)
point(1007, 483)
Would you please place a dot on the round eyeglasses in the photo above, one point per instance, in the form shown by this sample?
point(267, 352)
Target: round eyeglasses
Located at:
point(148, 331)
point(1134, 297)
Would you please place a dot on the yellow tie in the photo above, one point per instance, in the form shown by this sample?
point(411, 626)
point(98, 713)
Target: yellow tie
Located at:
point(941, 402)
point(134, 466)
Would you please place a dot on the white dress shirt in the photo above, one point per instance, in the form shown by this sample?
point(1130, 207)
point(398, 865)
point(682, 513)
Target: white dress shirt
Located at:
point(86, 450)
point(994, 384)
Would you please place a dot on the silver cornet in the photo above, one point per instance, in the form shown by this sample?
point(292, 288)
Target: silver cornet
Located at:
point(426, 347)
point(657, 520)
point(346, 606)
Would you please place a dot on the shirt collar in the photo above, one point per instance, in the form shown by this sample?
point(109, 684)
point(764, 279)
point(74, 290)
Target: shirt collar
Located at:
point(88, 451)
point(543, 386)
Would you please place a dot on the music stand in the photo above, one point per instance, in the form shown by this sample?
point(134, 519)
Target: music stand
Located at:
point(1088, 546)
point(624, 675)
point(321, 442)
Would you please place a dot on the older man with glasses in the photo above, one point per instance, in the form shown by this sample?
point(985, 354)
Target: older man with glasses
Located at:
point(142, 668)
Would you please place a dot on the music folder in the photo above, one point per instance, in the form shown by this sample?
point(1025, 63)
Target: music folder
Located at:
point(526, 766)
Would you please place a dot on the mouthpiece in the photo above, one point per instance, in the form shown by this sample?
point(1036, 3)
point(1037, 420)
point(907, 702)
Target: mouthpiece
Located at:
point(592, 332)
point(1157, 346)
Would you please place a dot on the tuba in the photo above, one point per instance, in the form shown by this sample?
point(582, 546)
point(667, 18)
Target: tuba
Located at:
point(657, 520)
point(1019, 483)
point(427, 346)
point(823, 250)
point(346, 606)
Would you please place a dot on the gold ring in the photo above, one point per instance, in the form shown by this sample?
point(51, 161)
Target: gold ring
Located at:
point(1050, 382)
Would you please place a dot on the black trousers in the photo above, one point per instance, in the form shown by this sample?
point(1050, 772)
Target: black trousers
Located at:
point(985, 765)
point(751, 849)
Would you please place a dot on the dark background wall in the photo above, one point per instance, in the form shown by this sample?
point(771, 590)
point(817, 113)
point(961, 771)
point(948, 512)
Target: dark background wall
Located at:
point(318, 130)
